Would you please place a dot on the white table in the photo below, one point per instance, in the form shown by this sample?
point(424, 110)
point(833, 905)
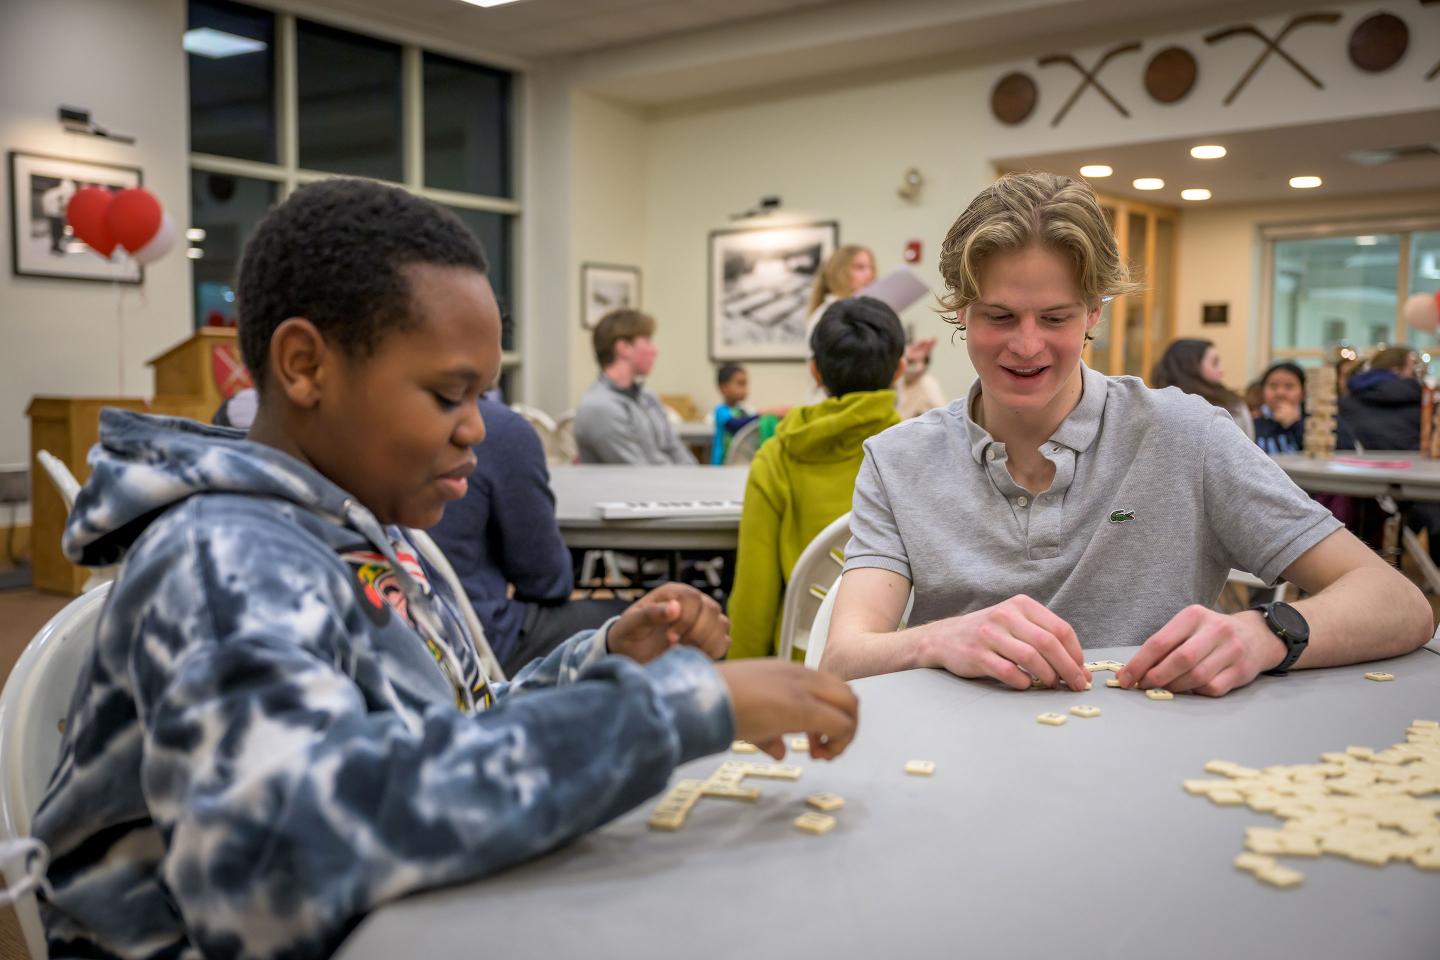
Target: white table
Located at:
point(1029, 841)
point(1420, 481)
point(579, 487)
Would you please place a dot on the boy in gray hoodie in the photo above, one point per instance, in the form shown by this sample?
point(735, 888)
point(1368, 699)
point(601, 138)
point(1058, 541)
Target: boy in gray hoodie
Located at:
point(283, 723)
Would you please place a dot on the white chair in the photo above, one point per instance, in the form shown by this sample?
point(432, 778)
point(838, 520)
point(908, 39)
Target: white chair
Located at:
point(32, 710)
point(69, 488)
point(805, 588)
point(744, 445)
point(1239, 578)
point(566, 449)
point(545, 428)
point(820, 629)
point(433, 555)
point(65, 483)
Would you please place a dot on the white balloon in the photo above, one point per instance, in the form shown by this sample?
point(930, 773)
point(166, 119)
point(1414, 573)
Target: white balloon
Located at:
point(1422, 311)
point(159, 244)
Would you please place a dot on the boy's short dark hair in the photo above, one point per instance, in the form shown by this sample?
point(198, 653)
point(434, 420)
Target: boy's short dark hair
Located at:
point(617, 325)
point(334, 252)
point(857, 346)
point(727, 372)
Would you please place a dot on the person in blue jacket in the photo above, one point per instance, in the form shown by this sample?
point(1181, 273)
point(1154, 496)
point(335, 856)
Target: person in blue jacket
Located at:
point(282, 723)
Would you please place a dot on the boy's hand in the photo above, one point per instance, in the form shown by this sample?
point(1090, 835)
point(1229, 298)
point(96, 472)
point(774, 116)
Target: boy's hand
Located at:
point(771, 698)
point(670, 615)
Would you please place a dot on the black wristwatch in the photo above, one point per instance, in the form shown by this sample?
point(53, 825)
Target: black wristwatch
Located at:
point(1286, 623)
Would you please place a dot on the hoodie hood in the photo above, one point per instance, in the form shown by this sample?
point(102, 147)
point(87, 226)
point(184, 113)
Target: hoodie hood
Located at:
point(835, 428)
point(144, 465)
point(1385, 388)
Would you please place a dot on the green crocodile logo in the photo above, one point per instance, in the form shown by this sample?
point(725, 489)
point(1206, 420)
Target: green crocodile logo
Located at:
point(1122, 516)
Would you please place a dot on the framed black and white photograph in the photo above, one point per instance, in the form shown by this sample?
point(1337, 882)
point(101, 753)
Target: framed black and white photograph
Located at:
point(605, 287)
point(760, 280)
point(41, 243)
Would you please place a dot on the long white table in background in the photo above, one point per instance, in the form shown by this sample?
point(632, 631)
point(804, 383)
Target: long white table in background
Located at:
point(1029, 841)
point(578, 487)
point(1357, 475)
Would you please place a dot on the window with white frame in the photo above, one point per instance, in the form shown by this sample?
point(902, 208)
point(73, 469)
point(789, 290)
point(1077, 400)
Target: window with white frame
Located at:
point(277, 101)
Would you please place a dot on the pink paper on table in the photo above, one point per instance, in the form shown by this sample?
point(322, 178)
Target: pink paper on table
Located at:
point(1378, 464)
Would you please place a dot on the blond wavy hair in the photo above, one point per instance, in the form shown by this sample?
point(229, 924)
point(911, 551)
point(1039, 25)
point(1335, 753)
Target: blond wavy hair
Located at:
point(834, 276)
point(1033, 209)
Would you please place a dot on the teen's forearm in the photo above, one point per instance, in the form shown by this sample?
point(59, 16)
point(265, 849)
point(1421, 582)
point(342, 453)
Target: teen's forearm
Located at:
point(1368, 614)
point(867, 654)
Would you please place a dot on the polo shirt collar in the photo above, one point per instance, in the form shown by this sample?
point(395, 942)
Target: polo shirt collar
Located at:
point(1077, 431)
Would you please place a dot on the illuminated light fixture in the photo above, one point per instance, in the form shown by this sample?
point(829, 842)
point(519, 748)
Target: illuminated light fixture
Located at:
point(1095, 171)
point(217, 44)
point(194, 253)
point(1195, 193)
point(1366, 241)
point(195, 234)
point(1207, 151)
point(1148, 183)
point(487, 3)
point(1305, 183)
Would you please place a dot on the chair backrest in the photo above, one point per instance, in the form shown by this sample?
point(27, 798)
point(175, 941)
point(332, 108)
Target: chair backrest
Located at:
point(820, 629)
point(806, 587)
point(430, 550)
point(33, 707)
point(566, 449)
point(744, 444)
point(60, 475)
point(545, 427)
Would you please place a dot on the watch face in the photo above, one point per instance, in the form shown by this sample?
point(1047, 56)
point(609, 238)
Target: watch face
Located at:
point(1287, 618)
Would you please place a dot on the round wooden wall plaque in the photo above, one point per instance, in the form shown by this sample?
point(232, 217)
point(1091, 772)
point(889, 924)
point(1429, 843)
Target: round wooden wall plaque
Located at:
point(1171, 74)
point(1013, 99)
point(1377, 43)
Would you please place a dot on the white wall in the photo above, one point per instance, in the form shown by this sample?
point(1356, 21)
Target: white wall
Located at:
point(1220, 258)
point(122, 61)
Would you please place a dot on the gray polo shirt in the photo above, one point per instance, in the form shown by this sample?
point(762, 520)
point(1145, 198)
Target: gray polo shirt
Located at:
point(618, 425)
point(1157, 494)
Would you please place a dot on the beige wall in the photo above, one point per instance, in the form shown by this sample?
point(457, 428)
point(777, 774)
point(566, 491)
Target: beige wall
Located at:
point(127, 67)
point(1220, 262)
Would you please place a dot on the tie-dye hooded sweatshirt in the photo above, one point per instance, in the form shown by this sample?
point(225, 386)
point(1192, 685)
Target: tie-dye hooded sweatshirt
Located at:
point(269, 739)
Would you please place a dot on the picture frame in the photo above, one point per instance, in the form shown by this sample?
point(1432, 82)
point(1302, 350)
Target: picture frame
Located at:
point(41, 243)
point(759, 292)
point(605, 287)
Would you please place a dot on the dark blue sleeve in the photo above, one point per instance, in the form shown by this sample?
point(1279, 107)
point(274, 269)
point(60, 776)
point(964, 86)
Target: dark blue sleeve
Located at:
point(524, 530)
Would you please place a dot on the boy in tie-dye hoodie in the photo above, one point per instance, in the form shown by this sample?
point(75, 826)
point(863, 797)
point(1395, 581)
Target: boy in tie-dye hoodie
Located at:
point(283, 723)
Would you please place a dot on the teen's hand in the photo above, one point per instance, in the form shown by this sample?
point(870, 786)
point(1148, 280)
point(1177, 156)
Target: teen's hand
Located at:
point(771, 698)
point(1204, 652)
point(1012, 641)
point(1285, 414)
point(669, 615)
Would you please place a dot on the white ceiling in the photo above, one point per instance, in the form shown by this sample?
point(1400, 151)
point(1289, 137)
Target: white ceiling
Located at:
point(1260, 163)
point(536, 29)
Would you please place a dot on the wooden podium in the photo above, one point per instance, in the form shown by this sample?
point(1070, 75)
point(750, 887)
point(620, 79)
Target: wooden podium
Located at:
point(185, 386)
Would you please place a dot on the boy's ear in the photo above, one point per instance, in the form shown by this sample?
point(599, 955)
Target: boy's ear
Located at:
point(299, 357)
point(899, 371)
point(815, 372)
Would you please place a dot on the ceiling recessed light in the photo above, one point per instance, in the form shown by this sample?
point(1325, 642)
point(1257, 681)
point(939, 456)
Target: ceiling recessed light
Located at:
point(215, 44)
point(1195, 193)
point(1148, 183)
point(1207, 151)
point(1096, 170)
point(487, 3)
point(1305, 183)
point(1366, 241)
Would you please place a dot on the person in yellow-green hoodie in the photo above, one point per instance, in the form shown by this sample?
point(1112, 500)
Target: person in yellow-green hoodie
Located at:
point(804, 477)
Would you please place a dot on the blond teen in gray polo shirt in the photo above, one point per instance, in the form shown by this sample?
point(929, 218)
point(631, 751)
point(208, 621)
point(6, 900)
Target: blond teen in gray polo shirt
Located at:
point(1056, 508)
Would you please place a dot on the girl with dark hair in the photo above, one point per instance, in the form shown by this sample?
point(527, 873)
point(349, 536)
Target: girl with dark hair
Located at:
point(1280, 427)
point(1194, 366)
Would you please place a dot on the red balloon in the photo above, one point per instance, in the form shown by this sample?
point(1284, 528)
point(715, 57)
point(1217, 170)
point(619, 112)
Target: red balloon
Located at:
point(134, 217)
point(86, 214)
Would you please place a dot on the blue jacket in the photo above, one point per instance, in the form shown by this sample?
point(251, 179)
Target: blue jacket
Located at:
point(281, 727)
point(503, 532)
